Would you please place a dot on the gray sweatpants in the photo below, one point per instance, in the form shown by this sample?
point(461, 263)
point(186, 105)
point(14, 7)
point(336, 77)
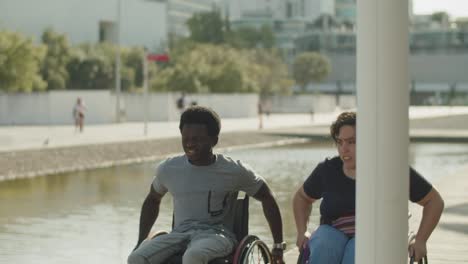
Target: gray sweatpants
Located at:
point(202, 246)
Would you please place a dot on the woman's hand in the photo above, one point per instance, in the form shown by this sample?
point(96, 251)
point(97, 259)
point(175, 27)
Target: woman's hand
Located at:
point(302, 240)
point(417, 249)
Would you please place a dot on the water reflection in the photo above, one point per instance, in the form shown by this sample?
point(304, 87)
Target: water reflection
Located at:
point(92, 216)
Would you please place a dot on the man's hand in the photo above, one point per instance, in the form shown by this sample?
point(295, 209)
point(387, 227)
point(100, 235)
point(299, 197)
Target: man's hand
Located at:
point(417, 249)
point(277, 256)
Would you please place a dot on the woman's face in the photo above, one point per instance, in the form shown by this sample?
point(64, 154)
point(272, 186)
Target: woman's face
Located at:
point(346, 145)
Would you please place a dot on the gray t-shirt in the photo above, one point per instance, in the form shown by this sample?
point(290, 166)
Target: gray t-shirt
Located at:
point(204, 195)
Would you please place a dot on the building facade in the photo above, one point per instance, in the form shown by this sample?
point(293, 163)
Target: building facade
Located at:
point(179, 11)
point(281, 9)
point(345, 10)
point(142, 22)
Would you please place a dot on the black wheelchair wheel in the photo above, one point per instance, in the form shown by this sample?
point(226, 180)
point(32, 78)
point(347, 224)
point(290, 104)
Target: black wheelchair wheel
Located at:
point(303, 256)
point(421, 261)
point(257, 253)
point(252, 250)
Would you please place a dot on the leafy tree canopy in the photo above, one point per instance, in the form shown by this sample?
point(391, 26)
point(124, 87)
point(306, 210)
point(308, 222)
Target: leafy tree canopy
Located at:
point(19, 63)
point(223, 69)
point(440, 17)
point(250, 37)
point(209, 27)
point(54, 65)
point(310, 67)
point(206, 27)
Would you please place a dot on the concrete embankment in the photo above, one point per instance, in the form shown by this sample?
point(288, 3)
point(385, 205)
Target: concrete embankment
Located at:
point(79, 153)
point(434, 129)
point(37, 162)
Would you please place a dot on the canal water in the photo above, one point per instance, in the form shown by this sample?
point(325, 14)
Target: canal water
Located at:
point(92, 216)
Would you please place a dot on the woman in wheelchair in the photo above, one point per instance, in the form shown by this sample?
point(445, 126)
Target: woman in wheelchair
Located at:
point(203, 185)
point(333, 181)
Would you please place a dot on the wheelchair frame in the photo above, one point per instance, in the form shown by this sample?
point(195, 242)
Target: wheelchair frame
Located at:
point(250, 249)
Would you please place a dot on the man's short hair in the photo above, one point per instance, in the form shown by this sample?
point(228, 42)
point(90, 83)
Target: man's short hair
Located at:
point(201, 115)
point(344, 119)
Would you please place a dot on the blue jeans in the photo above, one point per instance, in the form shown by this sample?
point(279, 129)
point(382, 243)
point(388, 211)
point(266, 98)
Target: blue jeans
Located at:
point(329, 245)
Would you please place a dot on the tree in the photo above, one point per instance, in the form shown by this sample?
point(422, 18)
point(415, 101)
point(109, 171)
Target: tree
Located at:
point(209, 28)
point(440, 17)
point(243, 38)
point(267, 38)
point(223, 69)
point(19, 63)
point(206, 27)
point(272, 76)
point(92, 67)
point(54, 66)
point(309, 67)
point(250, 37)
point(180, 48)
point(133, 59)
point(205, 68)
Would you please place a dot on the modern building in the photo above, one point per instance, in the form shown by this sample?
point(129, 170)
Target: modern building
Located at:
point(142, 22)
point(436, 63)
point(179, 11)
point(281, 9)
point(345, 10)
point(427, 41)
point(285, 30)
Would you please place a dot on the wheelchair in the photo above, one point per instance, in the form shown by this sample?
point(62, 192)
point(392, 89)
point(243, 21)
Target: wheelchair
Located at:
point(304, 255)
point(250, 250)
point(304, 252)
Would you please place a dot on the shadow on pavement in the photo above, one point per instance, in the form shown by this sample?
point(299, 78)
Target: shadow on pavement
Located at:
point(457, 227)
point(460, 209)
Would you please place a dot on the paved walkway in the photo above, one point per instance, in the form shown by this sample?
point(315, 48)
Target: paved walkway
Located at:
point(37, 137)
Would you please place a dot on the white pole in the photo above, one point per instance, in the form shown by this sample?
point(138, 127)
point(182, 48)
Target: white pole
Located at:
point(117, 63)
point(145, 90)
point(382, 131)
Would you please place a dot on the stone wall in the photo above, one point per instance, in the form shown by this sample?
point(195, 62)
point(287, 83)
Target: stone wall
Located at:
point(55, 107)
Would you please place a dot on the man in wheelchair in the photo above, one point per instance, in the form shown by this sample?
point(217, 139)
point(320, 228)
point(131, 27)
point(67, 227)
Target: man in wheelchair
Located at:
point(202, 184)
point(333, 181)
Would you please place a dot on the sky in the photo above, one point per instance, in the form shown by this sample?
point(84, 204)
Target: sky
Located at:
point(455, 8)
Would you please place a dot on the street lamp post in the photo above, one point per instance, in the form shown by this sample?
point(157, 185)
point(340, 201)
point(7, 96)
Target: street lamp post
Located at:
point(145, 90)
point(117, 63)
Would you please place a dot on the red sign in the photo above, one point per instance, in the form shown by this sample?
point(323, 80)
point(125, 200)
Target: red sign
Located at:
point(158, 57)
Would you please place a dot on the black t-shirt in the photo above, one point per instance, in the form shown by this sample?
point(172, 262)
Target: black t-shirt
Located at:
point(328, 181)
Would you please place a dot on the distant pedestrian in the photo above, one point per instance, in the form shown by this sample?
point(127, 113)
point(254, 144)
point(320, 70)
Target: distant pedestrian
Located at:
point(79, 114)
point(181, 103)
point(260, 114)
